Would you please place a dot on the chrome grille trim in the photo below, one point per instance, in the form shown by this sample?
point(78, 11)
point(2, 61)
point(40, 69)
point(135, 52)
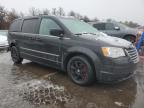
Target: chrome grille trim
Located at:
point(133, 54)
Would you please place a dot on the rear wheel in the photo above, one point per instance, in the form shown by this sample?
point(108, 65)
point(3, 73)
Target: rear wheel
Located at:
point(80, 70)
point(16, 55)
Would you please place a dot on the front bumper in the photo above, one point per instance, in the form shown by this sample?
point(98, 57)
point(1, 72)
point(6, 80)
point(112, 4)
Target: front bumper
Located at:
point(116, 70)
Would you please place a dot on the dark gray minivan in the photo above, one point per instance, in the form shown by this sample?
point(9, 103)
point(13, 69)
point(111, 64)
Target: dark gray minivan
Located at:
point(73, 46)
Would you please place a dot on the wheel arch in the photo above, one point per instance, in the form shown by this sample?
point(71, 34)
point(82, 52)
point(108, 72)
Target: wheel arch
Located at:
point(12, 43)
point(92, 57)
point(127, 35)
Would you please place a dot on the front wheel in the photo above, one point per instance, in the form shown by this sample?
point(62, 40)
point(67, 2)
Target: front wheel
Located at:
point(80, 70)
point(16, 55)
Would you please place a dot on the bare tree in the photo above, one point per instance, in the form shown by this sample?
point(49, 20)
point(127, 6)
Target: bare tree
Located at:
point(46, 12)
point(6, 17)
point(34, 11)
point(21, 15)
point(72, 13)
point(60, 12)
point(2, 12)
point(54, 11)
point(12, 15)
point(2, 17)
point(86, 19)
point(95, 19)
point(109, 20)
point(131, 24)
point(78, 16)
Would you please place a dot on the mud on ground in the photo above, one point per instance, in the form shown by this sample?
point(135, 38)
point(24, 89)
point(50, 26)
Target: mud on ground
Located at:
point(31, 85)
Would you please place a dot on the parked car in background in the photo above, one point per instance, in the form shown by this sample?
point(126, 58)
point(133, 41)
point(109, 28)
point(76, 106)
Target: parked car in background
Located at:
point(116, 29)
point(3, 39)
point(73, 46)
point(141, 28)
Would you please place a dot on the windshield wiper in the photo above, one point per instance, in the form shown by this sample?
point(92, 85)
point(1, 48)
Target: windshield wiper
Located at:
point(81, 33)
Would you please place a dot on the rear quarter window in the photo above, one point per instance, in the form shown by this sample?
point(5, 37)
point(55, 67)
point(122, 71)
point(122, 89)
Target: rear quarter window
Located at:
point(30, 25)
point(16, 26)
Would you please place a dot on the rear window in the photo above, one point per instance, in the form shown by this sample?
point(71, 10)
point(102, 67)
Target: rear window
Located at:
point(100, 26)
point(30, 26)
point(16, 26)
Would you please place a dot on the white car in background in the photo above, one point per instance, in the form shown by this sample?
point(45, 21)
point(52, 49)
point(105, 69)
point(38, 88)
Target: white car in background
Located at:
point(3, 39)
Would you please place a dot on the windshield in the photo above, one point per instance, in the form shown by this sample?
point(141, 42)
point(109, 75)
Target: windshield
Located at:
point(77, 26)
point(3, 32)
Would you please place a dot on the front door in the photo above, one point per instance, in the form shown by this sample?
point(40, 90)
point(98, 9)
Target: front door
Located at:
point(110, 30)
point(47, 46)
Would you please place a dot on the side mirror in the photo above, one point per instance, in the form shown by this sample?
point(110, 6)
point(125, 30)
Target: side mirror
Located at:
point(56, 32)
point(117, 28)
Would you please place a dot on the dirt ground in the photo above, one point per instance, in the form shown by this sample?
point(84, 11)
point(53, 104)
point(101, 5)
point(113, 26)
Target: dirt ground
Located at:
point(31, 85)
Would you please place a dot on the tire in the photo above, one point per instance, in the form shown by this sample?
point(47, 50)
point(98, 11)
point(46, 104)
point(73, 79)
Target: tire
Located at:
point(80, 70)
point(15, 55)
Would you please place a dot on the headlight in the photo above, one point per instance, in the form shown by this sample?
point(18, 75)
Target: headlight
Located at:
point(113, 52)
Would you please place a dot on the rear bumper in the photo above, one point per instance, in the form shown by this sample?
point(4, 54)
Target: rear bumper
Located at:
point(4, 47)
point(116, 71)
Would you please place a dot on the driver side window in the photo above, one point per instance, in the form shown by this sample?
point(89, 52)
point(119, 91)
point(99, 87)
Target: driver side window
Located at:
point(110, 26)
point(46, 25)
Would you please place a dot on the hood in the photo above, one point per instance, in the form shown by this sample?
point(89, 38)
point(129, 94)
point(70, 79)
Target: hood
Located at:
point(108, 40)
point(131, 31)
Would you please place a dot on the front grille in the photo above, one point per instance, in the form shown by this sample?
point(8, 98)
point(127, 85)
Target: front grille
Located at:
point(133, 54)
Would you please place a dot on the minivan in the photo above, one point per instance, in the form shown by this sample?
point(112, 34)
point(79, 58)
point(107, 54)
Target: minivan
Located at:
point(73, 46)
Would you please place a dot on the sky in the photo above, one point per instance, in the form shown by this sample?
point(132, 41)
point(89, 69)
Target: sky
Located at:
point(120, 10)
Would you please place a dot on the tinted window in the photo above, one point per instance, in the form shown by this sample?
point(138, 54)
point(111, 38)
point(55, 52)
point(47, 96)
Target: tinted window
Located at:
point(47, 25)
point(109, 26)
point(30, 26)
point(16, 26)
point(100, 26)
